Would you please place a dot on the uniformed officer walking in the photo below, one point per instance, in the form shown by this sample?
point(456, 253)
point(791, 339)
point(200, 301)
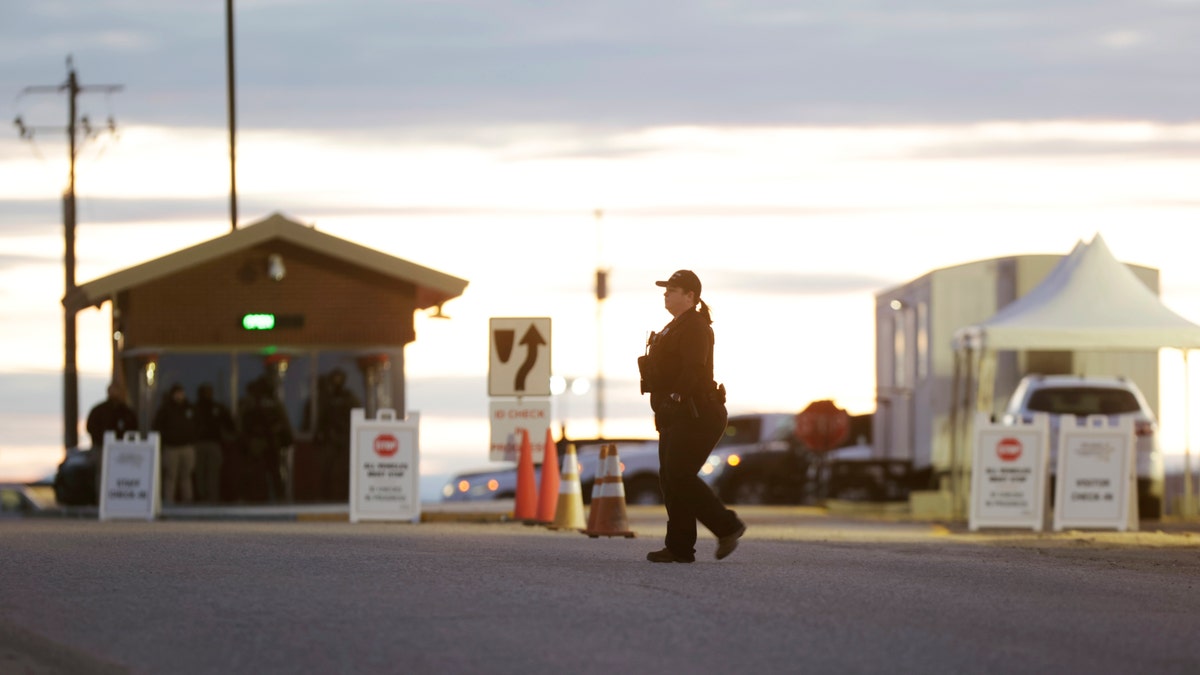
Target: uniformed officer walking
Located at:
point(690, 415)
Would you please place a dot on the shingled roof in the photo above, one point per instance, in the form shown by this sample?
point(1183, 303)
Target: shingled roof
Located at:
point(433, 287)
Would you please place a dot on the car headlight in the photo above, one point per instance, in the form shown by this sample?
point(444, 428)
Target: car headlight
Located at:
point(712, 465)
point(716, 464)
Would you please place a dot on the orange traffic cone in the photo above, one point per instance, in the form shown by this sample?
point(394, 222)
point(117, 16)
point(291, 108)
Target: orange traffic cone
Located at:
point(569, 514)
point(548, 496)
point(526, 505)
point(607, 517)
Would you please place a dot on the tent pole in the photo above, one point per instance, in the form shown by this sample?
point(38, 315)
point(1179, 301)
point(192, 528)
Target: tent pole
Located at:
point(1189, 506)
point(954, 418)
point(967, 434)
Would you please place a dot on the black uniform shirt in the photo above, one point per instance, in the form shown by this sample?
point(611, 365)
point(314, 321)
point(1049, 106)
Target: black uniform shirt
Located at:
point(683, 361)
point(111, 415)
point(176, 422)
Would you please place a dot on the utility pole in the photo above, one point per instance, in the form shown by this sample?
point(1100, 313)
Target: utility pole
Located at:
point(601, 294)
point(70, 371)
point(231, 89)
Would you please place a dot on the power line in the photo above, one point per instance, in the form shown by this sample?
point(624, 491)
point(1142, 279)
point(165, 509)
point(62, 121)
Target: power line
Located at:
point(70, 372)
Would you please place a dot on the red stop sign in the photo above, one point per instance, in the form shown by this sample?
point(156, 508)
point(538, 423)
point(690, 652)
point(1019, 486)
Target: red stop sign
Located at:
point(386, 445)
point(822, 426)
point(1008, 449)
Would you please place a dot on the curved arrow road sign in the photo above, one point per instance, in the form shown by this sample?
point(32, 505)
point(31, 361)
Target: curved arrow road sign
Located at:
point(523, 368)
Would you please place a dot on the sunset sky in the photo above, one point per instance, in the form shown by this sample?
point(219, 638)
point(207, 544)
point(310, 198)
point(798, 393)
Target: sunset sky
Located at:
point(799, 159)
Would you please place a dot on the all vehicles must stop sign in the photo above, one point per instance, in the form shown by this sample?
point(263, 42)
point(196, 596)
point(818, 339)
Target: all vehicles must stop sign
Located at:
point(385, 466)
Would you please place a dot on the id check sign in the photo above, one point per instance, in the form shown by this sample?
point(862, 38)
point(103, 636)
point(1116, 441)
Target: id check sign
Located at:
point(519, 356)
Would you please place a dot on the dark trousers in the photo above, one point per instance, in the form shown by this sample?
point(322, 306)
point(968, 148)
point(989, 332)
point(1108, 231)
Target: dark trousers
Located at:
point(335, 471)
point(262, 476)
point(683, 446)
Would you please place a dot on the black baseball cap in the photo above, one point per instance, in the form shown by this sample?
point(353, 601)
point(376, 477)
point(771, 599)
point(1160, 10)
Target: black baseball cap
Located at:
point(685, 279)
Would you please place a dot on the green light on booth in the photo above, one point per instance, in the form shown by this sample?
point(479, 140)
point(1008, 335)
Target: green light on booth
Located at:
point(258, 321)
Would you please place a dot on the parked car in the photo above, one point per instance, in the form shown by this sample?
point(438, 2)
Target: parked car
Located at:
point(759, 461)
point(855, 473)
point(19, 499)
point(756, 461)
point(75, 479)
point(1115, 397)
point(639, 473)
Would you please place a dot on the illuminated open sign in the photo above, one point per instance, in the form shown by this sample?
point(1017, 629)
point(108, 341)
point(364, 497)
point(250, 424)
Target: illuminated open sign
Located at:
point(268, 321)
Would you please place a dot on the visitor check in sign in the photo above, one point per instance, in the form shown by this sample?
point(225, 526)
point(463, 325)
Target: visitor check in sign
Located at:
point(1097, 477)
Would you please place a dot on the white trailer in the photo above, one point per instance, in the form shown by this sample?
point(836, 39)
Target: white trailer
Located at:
point(916, 384)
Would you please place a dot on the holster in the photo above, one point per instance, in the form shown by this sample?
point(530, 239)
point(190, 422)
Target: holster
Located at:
point(646, 369)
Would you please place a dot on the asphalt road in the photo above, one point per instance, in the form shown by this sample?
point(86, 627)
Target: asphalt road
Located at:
point(805, 592)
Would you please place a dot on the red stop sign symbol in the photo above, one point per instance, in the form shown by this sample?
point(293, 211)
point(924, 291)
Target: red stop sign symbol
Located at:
point(1008, 449)
point(822, 426)
point(386, 445)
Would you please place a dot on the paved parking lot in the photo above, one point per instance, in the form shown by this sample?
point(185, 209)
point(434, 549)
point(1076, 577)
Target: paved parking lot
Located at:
point(847, 521)
point(807, 590)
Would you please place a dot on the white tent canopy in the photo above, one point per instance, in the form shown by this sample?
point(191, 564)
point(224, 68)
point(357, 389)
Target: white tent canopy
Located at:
point(1089, 301)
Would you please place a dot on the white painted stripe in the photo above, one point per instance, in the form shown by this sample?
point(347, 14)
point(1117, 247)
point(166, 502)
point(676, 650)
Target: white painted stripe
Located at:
point(612, 488)
point(614, 465)
point(570, 466)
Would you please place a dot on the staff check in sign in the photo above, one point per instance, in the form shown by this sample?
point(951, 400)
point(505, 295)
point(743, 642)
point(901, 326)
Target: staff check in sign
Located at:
point(519, 357)
point(129, 477)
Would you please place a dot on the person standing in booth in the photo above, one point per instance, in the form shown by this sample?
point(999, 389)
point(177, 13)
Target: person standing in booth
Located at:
point(214, 428)
point(266, 432)
point(113, 414)
point(176, 425)
point(690, 415)
point(333, 436)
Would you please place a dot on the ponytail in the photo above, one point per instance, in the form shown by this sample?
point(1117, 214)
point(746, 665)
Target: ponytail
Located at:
point(705, 311)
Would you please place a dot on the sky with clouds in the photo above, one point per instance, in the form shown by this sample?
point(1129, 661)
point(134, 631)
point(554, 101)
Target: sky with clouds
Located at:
point(365, 65)
point(803, 155)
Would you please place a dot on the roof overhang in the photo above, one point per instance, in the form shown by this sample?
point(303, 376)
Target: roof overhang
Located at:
point(433, 288)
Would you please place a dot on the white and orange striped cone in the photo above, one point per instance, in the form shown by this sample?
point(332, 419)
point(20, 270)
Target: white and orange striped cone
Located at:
point(569, 515)
point(607, 517)
point(601, 467)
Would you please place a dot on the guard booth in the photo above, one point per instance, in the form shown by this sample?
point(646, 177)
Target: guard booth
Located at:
point(274, 309)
